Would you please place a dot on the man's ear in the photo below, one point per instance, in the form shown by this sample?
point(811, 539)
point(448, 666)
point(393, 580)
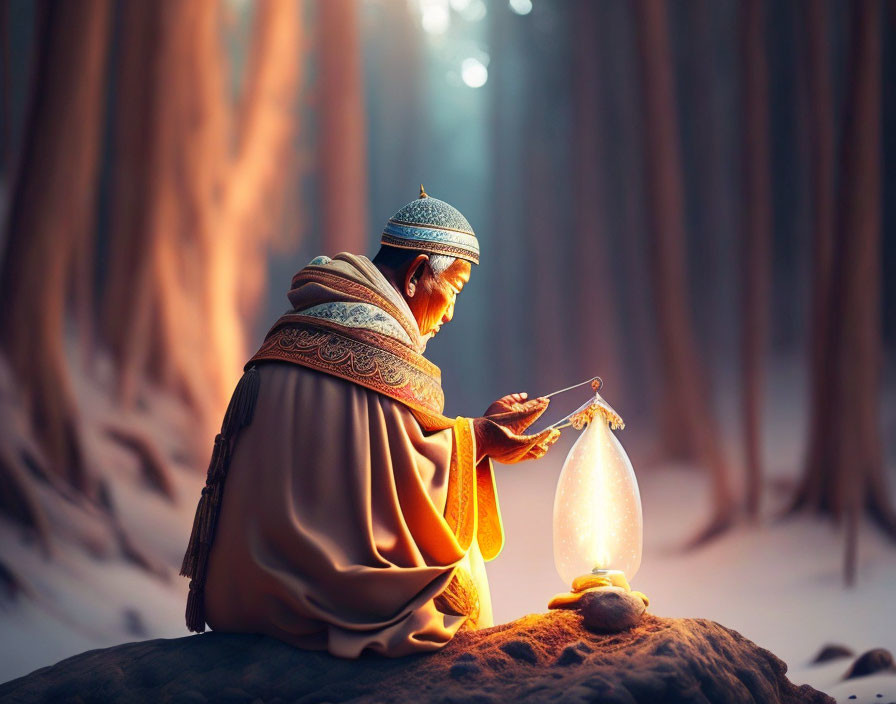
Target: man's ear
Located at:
point(413, 275)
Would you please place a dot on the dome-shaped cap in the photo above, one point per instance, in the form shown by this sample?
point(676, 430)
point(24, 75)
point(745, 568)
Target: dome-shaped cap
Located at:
point(432, 225)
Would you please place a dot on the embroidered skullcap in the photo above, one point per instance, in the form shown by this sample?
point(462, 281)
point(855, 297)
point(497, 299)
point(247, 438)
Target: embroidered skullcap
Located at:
point(431, 225)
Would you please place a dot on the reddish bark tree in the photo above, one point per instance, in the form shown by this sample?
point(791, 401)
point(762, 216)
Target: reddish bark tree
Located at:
point(627, 160)
point(144, 292)
point(252, 181)
point(845, 473)
point(820, 128)
point(399, 113)
point(341, 128)
point(755, 241)
point(5, 93)
point(542, 210)
point(545, 298)
point(711, 175)
point(596, 300)
point(260, 172)
point(196, 195)
point(688, 429)
point(507, 93)
point(50, 220)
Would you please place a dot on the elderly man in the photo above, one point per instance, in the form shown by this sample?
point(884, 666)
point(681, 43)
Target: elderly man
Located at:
point(354, 514)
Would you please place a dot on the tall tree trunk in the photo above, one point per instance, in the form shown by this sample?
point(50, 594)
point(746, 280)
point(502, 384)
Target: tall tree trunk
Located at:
point(854, 335)
point(711, 314)
point(814, 487)
point(847, 475)
point(545, 298)
point(268, 125)
point(205, 240)
point(136, 133)
point(342, 158)
point(51, 219)
point(688, 429)
point(508, 93)
point(144, 292)
point(254, 187)
point(5, 95)
point(626, 208)
point(197, 194)
point(756, 241)
point(398, 115)
point(541, 188)
point(173, 137)
point(595, 296)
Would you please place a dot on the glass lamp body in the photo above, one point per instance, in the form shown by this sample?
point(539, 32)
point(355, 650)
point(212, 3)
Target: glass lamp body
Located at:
point(597, 508)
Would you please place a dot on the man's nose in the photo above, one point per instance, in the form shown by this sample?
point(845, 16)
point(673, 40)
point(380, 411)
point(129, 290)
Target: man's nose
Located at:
point(449, 314)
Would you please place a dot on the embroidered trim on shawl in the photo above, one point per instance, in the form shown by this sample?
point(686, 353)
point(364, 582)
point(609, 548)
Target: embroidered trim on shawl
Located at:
point(489, 528)
point(359, 315)
point(366, 358)
point(460, 504)
point(319, 274)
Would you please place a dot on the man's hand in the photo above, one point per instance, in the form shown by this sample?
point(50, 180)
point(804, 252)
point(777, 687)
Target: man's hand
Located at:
point(515, 412)
point(503, 445)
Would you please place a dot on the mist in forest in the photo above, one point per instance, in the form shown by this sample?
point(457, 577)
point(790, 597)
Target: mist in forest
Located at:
point(694, 200)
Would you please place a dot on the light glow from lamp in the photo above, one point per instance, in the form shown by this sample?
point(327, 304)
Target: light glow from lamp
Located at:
point(597, 508)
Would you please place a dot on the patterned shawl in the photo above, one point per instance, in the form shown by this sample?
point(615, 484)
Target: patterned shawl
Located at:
point(350, 322)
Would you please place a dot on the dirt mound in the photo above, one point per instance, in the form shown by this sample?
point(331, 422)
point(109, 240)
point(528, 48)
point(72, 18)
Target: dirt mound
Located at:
point(539, 658)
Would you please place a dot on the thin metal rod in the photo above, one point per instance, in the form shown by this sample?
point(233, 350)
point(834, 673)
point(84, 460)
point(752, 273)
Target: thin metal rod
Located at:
point(565, 422)
point(560, 427)
point(575, 386)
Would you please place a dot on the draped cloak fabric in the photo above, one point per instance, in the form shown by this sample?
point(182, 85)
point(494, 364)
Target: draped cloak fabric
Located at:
point(350, 502)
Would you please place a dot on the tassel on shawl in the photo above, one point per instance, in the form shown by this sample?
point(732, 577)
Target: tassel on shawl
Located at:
point(460, 598)
point(239, 415)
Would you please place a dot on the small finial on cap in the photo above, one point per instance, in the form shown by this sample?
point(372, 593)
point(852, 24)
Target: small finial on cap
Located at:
point(422, 192)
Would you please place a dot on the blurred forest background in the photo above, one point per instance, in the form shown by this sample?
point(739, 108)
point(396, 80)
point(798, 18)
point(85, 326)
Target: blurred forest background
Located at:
point(695, 200)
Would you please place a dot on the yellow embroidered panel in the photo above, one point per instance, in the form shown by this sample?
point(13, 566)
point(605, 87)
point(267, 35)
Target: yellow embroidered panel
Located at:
point(460, 505)
point(490, 529)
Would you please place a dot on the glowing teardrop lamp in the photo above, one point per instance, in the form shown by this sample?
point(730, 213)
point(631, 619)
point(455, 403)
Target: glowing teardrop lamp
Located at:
point(597, 507)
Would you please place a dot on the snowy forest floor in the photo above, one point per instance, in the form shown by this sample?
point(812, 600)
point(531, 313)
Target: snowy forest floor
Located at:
point(779, 583)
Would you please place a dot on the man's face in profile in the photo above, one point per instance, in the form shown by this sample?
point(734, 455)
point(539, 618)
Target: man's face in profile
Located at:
point(433, 302)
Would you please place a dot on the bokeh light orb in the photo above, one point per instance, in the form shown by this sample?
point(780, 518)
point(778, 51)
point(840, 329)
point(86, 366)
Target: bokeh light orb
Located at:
point(473, 72)
point(521, 7)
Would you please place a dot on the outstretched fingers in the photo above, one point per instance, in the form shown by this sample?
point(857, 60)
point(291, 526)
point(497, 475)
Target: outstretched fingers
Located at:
point(541, 443)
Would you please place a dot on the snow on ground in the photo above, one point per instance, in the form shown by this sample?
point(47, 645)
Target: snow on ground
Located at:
point(879, 689)
point(82, 601)
point(779, 583)
point(86, 595)
point(82, 604)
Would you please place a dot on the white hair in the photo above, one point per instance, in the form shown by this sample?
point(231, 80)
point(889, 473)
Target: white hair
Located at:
point(440, 262)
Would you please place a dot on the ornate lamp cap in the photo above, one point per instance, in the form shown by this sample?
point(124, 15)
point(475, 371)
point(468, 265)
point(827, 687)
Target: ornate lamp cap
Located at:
point(431, 225)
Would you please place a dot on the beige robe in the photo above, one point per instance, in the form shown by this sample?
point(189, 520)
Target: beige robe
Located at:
point(331, 532)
